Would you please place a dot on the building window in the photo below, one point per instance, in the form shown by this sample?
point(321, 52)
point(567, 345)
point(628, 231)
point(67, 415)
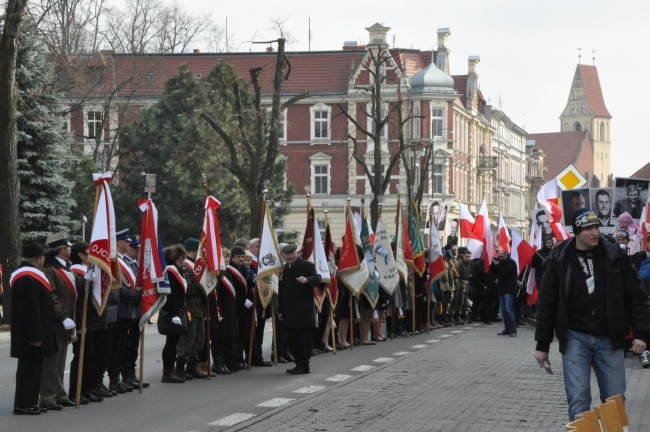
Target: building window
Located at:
point(320, 121)
point(416, 120)
point(321, 228)
point(96, 75)
point(437, 178)
point(320, 173)
point(94, 124)
point(577, 126)
point(372, 126)
point(65, 124)
point(436, 122)
point(282, 131)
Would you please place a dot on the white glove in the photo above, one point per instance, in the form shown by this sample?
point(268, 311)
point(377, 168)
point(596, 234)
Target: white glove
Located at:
point(248, 304)
point(90, 275)
point(68, 324)
point(176, 320)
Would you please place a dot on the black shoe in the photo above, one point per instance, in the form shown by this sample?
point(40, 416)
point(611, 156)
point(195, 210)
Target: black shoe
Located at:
point(172, 378)
point(221, 369)
point(68, 404)
point(27, 411)
point(298, 370)
point(504, 333)
point(289, 357)
point(136, 384)
point(112, 392)
point(185, 376)
point(487, 322)
point(315, 352)
point(116, 387)
point(100, 392)
point(84, 400)
point(243, 366)
point(52, 407)
point(292, 370)
point(282, 360)
point(93, 398)
point(126, 386)
point(513, 334)
point(340, 347)
point(233, 367)
point(262, 363)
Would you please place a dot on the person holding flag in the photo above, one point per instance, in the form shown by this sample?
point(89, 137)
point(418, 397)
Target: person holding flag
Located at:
point(504, 269)
point(175, 307)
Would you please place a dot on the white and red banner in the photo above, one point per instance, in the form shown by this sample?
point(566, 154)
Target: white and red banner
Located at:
point(504, 235)
point(548, 198)
point(333, 287)
point(269, 262)
point(480, 239)
point(209, 258)
point(313, 250)
point(522, 252)
point(467, 221)
point(151, 277)
point(103, 246)
point(436, 261)
point(352, 271)
point(403, 252)
point(384, 260)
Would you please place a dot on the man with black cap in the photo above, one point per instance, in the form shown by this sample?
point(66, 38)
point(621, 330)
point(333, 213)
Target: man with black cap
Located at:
point(32, 327)
point(64, 296)
point(296, 306)
point(589, 298)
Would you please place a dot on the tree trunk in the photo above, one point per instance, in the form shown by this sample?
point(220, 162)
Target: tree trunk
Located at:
point(9, 182)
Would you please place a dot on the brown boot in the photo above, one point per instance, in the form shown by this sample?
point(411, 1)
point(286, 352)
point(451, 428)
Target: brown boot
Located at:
point(203, 367)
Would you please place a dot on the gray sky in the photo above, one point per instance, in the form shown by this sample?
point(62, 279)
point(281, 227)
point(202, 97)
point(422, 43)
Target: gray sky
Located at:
point(528, 49)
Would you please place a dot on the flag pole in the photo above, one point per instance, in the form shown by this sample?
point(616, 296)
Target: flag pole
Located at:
point(254, 314)
point(84, 318)
point(413, 277)
point(151, 185)
point(329, 294)
point(208, 335)
point(351, 293)
point(428, 285)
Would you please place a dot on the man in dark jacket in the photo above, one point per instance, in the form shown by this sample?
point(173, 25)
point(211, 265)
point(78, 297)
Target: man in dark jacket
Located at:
point(589, 297)
point(32, 327)
point(296, 306)
point(504, 270)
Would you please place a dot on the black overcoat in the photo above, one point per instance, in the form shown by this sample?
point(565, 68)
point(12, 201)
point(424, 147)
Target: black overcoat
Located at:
point(296, 300)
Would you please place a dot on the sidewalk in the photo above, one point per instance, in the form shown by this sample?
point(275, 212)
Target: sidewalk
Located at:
point(469, 381)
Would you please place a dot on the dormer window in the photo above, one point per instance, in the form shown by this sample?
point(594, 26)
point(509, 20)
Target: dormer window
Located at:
point(96, 75)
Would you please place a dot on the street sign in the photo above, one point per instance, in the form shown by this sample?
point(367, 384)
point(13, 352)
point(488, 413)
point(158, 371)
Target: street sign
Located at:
point(570, 178)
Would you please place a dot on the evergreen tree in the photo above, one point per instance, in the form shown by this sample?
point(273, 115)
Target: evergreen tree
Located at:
point(43, 147)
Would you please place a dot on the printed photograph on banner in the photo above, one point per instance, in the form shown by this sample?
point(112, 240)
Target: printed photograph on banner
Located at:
point(437, 213)
point(454, 232)
point(630, 195)
point(603, 205)
point(572, 200)
point(539, 217)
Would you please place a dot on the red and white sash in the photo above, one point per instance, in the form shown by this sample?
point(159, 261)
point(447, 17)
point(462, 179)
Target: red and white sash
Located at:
point(189, 264)
point(179, 277)
point(79, 269)
point(33, 272)
point(127, 273)
point(231, 288)
point(238, 275)
point(68, 279)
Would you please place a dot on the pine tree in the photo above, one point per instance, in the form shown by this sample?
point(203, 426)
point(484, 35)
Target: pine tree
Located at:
point(43, 147)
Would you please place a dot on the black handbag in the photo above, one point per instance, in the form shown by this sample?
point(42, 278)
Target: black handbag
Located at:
point(167, 327)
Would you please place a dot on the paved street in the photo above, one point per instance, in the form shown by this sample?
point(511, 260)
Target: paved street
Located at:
point(458, 379)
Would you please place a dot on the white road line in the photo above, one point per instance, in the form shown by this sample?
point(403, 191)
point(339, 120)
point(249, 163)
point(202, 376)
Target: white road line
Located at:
point(402, 353)
point(457, 331)
point(233, 419)
point(433, 341)
point(418, 346)
point(383, 360)
point(338, 378)
point(445, 336)
point(363, 368)
point(309, 389)
point(275, 402)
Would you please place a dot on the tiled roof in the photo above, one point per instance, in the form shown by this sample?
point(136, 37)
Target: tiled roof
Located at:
point(561, 149)
point(593, 91)
point(643, 172)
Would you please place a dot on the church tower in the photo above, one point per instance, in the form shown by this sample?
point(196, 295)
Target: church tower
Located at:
point(586, 111)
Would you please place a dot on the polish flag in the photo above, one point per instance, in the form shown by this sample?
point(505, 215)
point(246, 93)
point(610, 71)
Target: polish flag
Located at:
point(466, 220)
point(504, 236)
point(522, 252)
point(536, 243)
point(548, 198)
point(480, 239)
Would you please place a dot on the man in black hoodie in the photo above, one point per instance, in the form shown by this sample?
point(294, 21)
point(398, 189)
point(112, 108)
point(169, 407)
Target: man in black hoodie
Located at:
point(589, 297)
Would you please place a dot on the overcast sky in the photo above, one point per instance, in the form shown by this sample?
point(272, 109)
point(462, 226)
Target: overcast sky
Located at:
point(528, 49)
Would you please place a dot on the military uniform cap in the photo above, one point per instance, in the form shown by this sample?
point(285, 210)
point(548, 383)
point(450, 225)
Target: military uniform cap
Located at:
point(57, 240)
point(122, 235)
point(191, 244)
point(134, 241)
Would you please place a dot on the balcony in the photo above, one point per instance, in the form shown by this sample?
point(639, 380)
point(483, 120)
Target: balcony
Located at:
point(487, 163)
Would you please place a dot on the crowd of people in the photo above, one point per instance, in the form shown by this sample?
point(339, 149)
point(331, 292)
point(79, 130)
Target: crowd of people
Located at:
point(221, 328)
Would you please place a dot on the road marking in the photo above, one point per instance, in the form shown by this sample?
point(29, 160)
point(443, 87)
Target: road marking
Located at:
point(418, 346)
point(401, 353)
point(233, 419)
point(445, 336)
point(363, 368)
point(275, 402)
point(457, 331)
point(383, 360)
point(433, 341)
point(338, 378)
point(309, 389)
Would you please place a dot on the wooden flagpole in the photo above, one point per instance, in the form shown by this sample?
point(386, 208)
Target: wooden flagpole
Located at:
point(329, 294)
point(208, 335)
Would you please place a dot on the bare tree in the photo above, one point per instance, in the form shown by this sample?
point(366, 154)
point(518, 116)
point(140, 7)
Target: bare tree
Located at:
point(9, 182)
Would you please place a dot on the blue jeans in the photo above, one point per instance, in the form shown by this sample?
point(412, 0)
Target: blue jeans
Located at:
point(508, 313)
point(584, 351)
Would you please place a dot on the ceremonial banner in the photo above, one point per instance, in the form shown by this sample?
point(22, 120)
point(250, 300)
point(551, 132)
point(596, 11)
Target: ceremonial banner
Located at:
point(353, 270)
point(312, 250)
point(209, 261)
point(400, 261)
point(416, 240)
point(385, 262)
point(151, 264)
point(270, 262)
point(535, 242)
point(333, 287)
point(481, 237)
point(467, 221)
point(103, 246)
point(371, 291)
point(436, 261)
point(504, 236)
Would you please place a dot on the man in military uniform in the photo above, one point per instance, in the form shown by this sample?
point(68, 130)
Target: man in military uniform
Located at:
point(296, 306)
point(64, 297)
point(464, 277)
point(32, 327)
point(193, 339)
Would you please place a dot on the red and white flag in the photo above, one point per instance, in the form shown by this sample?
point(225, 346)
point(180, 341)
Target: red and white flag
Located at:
point(504, 236)
point(313, 251)
point(151, 264)
point(480, 239)
point(209, 258)
point(103, 245)
point(436, 261)
point(522, 252)
point(352, 271)
point(535, 243)
point(467, 221)
point(548, 198)
point(645, 224)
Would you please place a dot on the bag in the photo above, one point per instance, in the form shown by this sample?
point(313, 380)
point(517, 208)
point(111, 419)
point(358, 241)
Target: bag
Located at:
point(167, 327)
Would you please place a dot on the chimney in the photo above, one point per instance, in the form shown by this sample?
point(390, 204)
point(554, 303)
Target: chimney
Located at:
point(196, 51)
point(377, 36)
point(472, 81)
point(269, 49)
point(443, 51)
